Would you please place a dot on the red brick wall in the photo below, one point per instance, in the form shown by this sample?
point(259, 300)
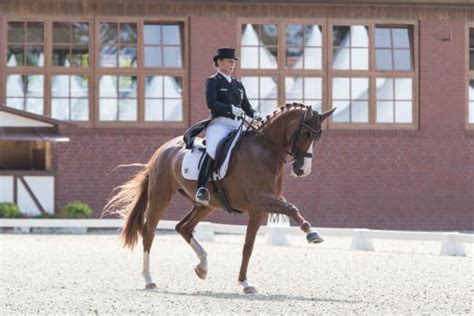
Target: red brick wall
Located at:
point(421, 179)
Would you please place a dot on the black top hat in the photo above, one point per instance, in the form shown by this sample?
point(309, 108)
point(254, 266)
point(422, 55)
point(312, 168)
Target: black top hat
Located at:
point(225, 53)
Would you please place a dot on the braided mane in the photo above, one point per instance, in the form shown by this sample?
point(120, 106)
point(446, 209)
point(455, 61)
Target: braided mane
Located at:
point(282, 109)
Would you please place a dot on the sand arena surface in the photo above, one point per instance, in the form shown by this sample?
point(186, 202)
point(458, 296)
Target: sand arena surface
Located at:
point(91, 274)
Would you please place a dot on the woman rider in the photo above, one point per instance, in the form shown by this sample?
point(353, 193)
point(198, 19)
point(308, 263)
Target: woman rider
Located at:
point(227, 100)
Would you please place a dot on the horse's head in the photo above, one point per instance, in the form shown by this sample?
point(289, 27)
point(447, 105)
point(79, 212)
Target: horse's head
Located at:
point(308, 130)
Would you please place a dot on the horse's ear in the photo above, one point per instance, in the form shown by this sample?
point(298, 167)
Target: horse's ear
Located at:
point(325, 115)
point(308, 114)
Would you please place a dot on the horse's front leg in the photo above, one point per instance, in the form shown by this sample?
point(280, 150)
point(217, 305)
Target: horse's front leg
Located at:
point(280, 206)
point(255, 220)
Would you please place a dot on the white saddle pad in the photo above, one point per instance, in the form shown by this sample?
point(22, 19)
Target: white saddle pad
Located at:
point(189, 168)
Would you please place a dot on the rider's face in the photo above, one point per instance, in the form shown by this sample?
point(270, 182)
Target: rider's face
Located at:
point(226, 65)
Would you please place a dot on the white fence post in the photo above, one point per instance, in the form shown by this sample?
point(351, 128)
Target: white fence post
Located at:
point(361, 240)
point(204, 232)
point(276, 225)
point(451, 247)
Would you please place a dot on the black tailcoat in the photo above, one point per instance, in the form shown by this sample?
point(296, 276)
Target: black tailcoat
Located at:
point(220, 95)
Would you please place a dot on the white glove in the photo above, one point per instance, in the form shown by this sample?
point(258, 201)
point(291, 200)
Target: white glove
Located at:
point(258, 116)
point(237, 111)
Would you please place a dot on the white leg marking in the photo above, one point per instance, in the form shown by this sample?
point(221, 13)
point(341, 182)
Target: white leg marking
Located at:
point(308, 161)
point(200, 252)
point(245, 283)
point(146, 268)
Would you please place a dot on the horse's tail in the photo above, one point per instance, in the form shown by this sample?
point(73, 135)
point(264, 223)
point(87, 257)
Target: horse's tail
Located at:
point(130, 202)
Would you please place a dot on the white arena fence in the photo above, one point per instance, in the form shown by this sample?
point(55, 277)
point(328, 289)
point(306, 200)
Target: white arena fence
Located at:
point(277, 232)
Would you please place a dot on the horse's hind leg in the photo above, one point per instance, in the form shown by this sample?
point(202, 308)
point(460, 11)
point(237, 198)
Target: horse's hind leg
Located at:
point(157, 204)
point(185, 228)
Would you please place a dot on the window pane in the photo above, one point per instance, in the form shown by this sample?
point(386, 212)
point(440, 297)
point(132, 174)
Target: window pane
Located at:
point(403, 111)
point(79, 86)
point(172, 57)
point(61, 32)
point(171, 35)
point(173, 87)
point(152, 34)
point(313, 58)
point(471, 37)
point(16, 103)
point(128, 57)
point(342, 112)
point(341, 36)
point(359, 88)
point(60, 86)
point(127, 87)
point(249, 57)
point(294, 88)
point(471, 90)
point(383, 58)
point(16, 56)
point(35, 56)
point(313, 88)
point(35, 86)
point(154, 87)
point(267, 106)
point(16, 32)
point(34, 32)
point(127, 109)
point(384, 89)
point(80, 33)
point(359, 36)
point(108, 109)
point(173, 110)
point(80, 57)
point(268, 34)
point(34, 105)
point(108, 34)
point(471, 112)
point(16, 85)
point(294, 35)
point(79, 109)
point(108, 86)
point(360, 111)
point(382, 37)
point(403, 89)
point(268, 57)
point(153, 110)
point(251, 87)
point(402, 59)
point(471, 60)
point(360, 59)
point(341, 88)
point(316, 105)
point(401, 38)
point(385, 112)
point(60, 56)
point(294, 57)
point(268, 87)
point(313, 35)
point(128, 33)
point(60, 109)
point(153, 56)
point(108, 56)
point(341, 58)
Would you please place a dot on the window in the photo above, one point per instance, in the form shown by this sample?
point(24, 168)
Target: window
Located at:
point(70, 97)
point(388, 80)
point(127, 84)
point(25, 44)
point(25, 92)
point(366, 70)
point(299, 78)
point(70, 44)
point(470, 86)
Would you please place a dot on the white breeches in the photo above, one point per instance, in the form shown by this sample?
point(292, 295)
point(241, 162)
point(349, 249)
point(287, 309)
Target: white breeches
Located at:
point(216, 131)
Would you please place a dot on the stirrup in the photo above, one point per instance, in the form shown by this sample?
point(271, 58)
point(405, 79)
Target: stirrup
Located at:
point(203, 196)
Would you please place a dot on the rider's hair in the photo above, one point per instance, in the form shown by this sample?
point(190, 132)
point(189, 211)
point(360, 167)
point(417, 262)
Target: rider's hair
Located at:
point(215, 63)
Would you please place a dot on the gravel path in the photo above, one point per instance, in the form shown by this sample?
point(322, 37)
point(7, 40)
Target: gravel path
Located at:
point(91, 274)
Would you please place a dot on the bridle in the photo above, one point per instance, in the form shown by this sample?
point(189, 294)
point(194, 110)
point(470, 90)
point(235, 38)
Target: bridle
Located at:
point(295, 152)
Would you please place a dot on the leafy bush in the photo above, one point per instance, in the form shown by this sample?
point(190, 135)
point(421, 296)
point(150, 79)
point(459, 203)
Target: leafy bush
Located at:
point(77, 209)
point(9, 210)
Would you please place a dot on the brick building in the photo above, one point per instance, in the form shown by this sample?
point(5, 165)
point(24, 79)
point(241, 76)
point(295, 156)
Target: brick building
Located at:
point(397, 154)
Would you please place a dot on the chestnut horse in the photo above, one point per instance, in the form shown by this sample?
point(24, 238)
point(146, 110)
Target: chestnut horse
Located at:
point(253, 184)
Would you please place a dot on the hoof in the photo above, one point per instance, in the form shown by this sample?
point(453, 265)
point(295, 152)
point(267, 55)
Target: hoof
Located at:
point(202, 274)
point(150, 286)
point(314, 238)
point(250, 290)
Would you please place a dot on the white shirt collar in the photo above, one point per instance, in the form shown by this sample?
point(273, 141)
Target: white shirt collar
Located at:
point(228, 78)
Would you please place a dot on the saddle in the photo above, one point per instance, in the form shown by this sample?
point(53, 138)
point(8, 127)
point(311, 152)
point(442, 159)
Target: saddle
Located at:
point(193, 159)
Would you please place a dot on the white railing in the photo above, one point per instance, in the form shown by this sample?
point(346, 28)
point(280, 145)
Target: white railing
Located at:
point(277, 233)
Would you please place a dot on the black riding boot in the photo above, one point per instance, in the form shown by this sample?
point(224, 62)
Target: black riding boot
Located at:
point(202, 194)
